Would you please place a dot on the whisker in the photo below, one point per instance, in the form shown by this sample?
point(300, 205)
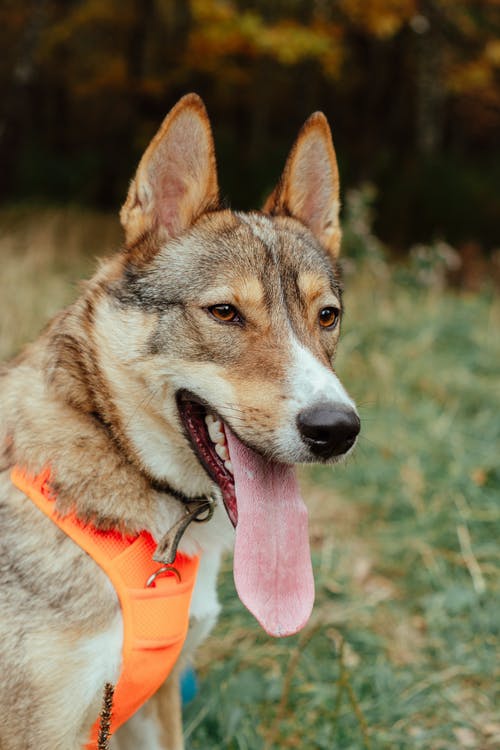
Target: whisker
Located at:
point(141, 404)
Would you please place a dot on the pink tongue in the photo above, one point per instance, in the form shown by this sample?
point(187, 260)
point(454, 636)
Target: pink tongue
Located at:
point(272, 561)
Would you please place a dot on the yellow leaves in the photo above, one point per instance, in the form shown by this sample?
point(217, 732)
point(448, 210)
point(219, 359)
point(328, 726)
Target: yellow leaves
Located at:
point(98, 46)
point(382, 18)
point(221, 31)
point(290, 43)
point(210, 11)
point(471, 76)
point(492, 52)
point(471, 72)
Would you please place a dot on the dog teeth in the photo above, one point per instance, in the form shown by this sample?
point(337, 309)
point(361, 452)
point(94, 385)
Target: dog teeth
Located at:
point(215, 430)
point(222, 451)
point(218, 437)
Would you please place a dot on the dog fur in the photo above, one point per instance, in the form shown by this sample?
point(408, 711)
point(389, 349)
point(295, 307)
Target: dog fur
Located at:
point(94, 398)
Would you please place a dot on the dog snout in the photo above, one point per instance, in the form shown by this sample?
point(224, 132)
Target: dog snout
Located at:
point(328, 429)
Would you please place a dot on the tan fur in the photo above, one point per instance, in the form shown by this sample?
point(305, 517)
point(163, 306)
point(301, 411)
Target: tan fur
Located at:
point(314, 287)
point(94, 399)
point(309, 187)
point(190, 148)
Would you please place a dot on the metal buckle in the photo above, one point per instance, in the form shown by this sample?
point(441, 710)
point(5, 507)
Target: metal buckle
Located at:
point(162, 571)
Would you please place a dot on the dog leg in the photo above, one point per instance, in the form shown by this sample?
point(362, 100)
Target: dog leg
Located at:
point(168, 701)
point(157, 725)
point(142, 730)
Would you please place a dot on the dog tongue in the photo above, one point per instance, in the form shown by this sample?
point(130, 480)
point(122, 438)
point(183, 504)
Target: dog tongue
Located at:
point(272, 560)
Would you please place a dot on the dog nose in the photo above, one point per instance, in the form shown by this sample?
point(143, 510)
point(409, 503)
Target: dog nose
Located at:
point(329, 430)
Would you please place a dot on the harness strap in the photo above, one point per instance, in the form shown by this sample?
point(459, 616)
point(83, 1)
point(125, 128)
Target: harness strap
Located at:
point(155, 616)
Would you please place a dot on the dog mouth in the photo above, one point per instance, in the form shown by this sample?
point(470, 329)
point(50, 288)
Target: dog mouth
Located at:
point(208, 438)
point(272, 561)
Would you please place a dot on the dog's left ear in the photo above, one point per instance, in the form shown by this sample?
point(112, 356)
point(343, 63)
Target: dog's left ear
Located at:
point(176, 180)
point(309, 186)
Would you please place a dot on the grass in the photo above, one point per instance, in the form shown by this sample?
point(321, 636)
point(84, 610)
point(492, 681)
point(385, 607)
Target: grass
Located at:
point(44, 253)
point(400, 651)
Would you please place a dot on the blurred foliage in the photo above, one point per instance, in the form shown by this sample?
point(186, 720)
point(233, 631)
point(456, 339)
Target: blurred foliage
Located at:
point(410, 87)
point(358, 239)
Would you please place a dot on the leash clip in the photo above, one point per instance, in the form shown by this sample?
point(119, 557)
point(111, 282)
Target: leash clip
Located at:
point(201, 512)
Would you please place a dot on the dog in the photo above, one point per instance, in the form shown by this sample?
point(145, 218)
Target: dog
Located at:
point(196, 367)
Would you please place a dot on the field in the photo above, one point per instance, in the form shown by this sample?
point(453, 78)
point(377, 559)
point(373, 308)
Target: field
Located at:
point(400, 651)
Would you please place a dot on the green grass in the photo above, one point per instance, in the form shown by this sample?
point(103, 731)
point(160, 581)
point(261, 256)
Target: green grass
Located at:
point(400, 651)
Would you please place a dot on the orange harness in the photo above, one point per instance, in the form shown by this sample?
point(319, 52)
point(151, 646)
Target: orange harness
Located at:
point(155, 614)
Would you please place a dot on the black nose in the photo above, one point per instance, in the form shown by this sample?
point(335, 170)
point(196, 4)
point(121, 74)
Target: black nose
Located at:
point(327, 429)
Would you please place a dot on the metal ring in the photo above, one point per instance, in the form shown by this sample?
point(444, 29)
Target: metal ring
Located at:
point(161, 571)
point(208, 509)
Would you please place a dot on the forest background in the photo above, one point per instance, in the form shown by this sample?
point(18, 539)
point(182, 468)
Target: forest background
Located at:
point(400, 651)
point(411, 88)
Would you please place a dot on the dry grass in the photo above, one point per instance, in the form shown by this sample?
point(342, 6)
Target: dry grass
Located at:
point(44, 253)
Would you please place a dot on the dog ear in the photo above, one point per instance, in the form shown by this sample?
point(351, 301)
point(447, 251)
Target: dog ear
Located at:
point(176, 180)
point(309, 186)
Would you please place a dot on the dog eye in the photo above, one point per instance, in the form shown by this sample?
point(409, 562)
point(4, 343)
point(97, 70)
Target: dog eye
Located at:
point(225, 313)
point(328, 317)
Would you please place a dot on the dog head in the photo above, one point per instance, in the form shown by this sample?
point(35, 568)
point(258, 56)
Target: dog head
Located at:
point(224, 326)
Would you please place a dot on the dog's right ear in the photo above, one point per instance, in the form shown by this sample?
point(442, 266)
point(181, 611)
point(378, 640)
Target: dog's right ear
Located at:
point(176, 180)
